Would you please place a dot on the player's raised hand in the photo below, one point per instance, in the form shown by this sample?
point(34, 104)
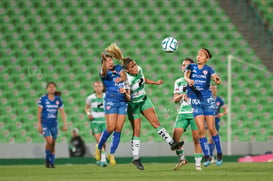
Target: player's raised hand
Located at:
point(118, 79)
point(216, 79)
point(122, 90)
point(191, 82)
point(159, 82)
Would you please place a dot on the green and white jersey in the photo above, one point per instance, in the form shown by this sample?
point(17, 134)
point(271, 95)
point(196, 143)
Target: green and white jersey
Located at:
point(136, 85)
point(180, 86)
point(96, 108)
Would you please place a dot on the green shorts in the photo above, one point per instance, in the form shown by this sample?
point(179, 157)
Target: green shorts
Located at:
point(134, 109)
point(183, 121)
point(97, 127)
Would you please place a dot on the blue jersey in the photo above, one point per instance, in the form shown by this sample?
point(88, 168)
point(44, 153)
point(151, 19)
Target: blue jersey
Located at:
point(111, 88)
point(50, 110)
point(201, 77)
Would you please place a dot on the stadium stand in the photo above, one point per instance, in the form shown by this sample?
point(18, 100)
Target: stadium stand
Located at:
point(55, 40)
point(266, 8)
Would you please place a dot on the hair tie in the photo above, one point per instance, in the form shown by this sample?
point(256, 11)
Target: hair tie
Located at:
point(207, 54)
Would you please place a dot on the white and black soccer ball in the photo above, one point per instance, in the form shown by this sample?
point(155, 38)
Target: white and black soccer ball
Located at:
point(169, 44)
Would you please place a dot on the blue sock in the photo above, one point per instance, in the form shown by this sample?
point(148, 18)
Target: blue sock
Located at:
point(52, 158)
point(48, 153)
point(204, 145)
point(115, 142)
point(104, 136)
point(211, 148)
point(217, 143)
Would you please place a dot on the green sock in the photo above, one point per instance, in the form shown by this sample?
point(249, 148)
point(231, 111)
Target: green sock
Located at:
point(179, 152)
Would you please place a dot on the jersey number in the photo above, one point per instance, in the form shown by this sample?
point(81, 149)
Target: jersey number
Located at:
point(100, 105)
point(141, 82)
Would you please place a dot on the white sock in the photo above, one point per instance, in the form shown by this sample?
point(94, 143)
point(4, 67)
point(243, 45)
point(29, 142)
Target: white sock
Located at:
point(198, 159)
point(135, 144)
point(163, 133)
point(103, 156)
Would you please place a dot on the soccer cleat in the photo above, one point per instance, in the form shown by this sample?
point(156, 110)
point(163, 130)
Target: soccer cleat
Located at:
point(111, 159)
point(138, 164)
point(97, 153)
point(103, 164)
point(176, 145)
point(180, 163)
point(98, 163)
point(47, 164)
point(198, 167)
point(52, 165)
point(207, 161)
point(219, 160)
point(212, 160)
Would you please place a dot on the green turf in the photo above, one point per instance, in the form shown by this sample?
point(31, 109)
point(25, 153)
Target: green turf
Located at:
point(153, 171)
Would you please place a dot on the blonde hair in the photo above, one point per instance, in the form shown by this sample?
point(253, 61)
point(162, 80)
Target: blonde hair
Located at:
point(114, 51)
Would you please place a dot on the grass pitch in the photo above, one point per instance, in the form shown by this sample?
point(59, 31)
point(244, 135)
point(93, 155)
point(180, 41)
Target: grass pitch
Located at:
point(229, 171)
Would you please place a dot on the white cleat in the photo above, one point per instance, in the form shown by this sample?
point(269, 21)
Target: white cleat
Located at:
point(212, 160)
point(198, 167)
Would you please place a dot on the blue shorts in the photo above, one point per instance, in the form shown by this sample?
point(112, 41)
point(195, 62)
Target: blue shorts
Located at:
point(204, 107)
point(115, 107)
point(50, 132)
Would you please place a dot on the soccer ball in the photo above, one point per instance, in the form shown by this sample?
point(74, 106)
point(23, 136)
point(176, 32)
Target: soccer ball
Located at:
point(169, 44)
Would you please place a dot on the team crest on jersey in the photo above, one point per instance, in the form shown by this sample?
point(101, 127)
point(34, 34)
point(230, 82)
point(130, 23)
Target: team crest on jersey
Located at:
point(217, 103)
point(57, 102)
point(205, 72)
point(108, 107)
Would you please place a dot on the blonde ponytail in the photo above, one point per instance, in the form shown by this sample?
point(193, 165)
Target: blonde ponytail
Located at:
point(114, 51)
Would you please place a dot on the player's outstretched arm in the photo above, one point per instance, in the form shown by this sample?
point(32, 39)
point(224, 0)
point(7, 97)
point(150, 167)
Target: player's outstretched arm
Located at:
point(148, 81)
